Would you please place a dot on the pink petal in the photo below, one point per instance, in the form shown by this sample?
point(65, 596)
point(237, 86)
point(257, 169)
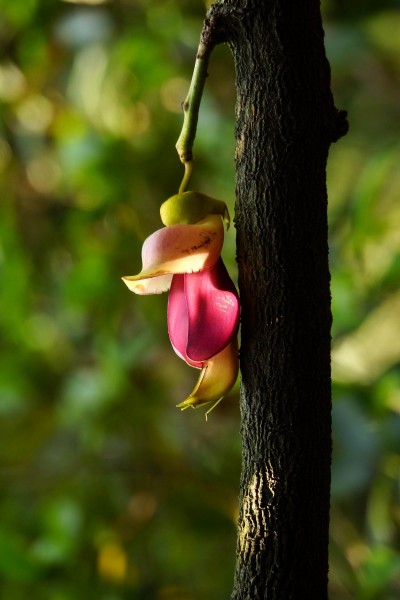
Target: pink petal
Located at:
point(203, 313)
point(178, 249)
point(178, 322)
point(213, 311)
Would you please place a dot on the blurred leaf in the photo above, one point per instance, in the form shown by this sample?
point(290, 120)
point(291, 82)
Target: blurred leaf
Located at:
point(373, 348)
point(381, 568)
point(15, 561)
point(383, 29)
point(354, 449)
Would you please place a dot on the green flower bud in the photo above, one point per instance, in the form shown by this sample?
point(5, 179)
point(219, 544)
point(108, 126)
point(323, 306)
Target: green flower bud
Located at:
point(192, 207)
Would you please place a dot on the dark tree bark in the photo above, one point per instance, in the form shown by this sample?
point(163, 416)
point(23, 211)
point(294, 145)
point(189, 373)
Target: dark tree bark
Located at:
point(286, 121)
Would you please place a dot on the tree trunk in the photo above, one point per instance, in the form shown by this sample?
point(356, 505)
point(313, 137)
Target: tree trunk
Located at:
point(286, 121)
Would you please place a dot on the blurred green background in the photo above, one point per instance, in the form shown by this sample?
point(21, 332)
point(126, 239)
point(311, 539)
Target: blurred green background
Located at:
point(107, 491)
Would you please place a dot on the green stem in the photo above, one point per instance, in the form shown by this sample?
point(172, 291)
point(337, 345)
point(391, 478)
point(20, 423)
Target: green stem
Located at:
point(188, 174)
point(191, 107)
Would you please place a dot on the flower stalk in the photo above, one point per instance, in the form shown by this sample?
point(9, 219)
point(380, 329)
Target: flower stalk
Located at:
point(191, 107)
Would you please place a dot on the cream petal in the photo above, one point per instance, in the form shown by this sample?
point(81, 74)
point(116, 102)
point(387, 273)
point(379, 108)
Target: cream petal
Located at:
point(179, 249)
point(154, 285)
point(217, 377)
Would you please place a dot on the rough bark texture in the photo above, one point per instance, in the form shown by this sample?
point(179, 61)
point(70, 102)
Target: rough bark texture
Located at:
point(286, 121)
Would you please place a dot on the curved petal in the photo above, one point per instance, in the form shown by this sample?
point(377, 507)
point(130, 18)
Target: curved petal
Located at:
point(203, 313)
point(154, 285)
point(213, 312)
point(179, 249)
point(217, 377)
point(178, 319)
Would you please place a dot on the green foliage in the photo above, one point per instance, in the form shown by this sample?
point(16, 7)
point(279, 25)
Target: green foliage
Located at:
point(107, 491)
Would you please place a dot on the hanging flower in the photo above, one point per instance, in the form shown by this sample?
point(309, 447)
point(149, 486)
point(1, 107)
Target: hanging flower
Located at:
point(203, 307)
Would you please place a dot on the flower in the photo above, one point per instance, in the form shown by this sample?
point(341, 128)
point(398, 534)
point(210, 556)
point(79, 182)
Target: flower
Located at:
point(203, 305)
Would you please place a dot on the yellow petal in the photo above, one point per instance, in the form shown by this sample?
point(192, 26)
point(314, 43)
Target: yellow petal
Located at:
point(217, 377)
point(177, 249)
point(192, 207)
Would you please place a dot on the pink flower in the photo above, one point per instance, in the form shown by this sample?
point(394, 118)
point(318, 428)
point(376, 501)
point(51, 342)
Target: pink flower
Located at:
point(203, 306)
